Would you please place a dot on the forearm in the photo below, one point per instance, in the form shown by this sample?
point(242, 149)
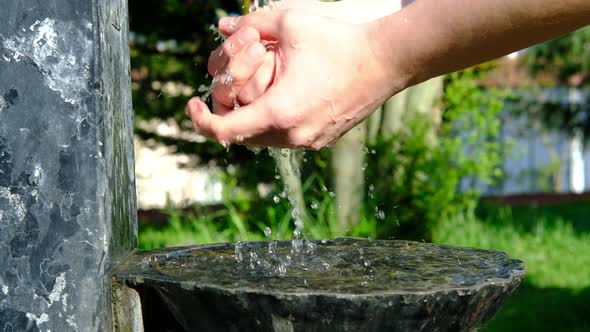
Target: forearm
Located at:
point(354, 11)
point(434, 37)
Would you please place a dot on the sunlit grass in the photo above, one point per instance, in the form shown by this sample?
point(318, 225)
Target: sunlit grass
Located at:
point(553, 241)
point(229, 225)
point(556, 250)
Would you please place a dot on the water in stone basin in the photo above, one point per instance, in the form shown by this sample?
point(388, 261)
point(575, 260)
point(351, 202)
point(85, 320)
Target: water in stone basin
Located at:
point(340, 266)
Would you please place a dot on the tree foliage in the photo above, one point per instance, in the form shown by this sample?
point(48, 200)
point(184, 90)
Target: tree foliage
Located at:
point(567, 57)
point(564, 105)
point(410, 182)
point(170, 43)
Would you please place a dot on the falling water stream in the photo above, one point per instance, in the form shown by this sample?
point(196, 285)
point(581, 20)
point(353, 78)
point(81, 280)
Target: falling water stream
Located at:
point(287, 169)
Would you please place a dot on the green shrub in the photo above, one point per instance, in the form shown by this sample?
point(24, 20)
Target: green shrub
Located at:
point(419, 181)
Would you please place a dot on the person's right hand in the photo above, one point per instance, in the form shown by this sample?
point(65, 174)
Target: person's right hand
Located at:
point(252, 70)
point(328, 80)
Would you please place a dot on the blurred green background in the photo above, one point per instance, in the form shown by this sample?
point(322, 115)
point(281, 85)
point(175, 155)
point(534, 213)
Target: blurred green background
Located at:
point(405, 173)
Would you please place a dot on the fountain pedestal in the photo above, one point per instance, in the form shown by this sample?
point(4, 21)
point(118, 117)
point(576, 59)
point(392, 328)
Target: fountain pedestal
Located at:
point(340, 285)
point(67, 191)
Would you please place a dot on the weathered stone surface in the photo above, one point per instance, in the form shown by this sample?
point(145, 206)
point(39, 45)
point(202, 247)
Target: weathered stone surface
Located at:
point(67, 198)
point(336, 285)
point(126, 305)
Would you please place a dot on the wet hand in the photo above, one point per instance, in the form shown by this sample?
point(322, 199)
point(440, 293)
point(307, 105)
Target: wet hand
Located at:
point(327, 81)
point(241, 69)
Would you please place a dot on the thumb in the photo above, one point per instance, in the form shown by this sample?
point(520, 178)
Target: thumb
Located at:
point(265, 21)
point(235, 126)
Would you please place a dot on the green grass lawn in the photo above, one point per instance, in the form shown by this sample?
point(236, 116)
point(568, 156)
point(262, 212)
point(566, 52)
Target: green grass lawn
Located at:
point(553, 241)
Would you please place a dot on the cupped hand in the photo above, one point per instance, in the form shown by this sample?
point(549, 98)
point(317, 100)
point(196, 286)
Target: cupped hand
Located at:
point(327, 80)
point(241, 69)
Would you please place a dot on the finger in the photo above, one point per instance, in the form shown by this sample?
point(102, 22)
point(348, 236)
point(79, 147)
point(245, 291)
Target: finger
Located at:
point(231, 46)
point(235, 126)
point(220, 109)
point(265, 21)
point(261, 81)
point(239, 70)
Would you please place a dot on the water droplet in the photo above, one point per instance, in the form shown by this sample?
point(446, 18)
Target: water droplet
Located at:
point(315, 206)
point(238, 251)
point(380, 215)
point(268, 233)
point(276, 199)
point(229, 78)
point(310, 246)
point(297, 244)
point(153, 261)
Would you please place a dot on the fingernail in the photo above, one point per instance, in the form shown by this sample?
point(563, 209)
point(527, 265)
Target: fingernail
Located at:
point(228, 23)
point(192, 106)
point(255, 51)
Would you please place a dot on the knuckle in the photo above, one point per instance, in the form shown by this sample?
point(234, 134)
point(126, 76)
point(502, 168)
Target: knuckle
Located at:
point(289, 19)
point(305, 139)
point(224, 95)
point(246, 96)
point(282, 116)
point(227, 48)
point(284, 121)
point(299, 139)
point(249, 34)
point(316, 146)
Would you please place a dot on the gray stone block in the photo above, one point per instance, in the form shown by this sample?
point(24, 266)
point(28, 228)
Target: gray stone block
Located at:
point(67, 195)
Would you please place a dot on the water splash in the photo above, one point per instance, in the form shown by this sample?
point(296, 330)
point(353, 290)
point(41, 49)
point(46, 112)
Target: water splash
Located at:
point(286, 160)
point(352, 266)
point(290, 168)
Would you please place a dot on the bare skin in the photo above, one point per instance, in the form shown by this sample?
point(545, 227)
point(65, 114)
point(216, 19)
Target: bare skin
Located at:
point(326, 74)
point(253, 72)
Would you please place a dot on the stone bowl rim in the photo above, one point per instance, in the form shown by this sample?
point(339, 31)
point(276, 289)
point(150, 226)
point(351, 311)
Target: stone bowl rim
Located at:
point(516, 275)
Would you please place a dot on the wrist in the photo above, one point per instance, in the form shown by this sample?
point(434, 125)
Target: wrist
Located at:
point(391, 52)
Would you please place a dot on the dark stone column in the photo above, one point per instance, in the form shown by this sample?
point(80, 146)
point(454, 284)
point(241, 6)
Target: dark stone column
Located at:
point(67, 192)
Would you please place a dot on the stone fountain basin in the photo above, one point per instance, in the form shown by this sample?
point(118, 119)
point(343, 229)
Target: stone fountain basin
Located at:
point(335, 285)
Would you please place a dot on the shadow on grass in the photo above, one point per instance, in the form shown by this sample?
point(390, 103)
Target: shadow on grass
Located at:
point(526, 217)
point(543, 309)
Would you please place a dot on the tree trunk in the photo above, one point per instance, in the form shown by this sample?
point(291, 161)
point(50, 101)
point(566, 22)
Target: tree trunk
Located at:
point(419, 100)
point(348, 158)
